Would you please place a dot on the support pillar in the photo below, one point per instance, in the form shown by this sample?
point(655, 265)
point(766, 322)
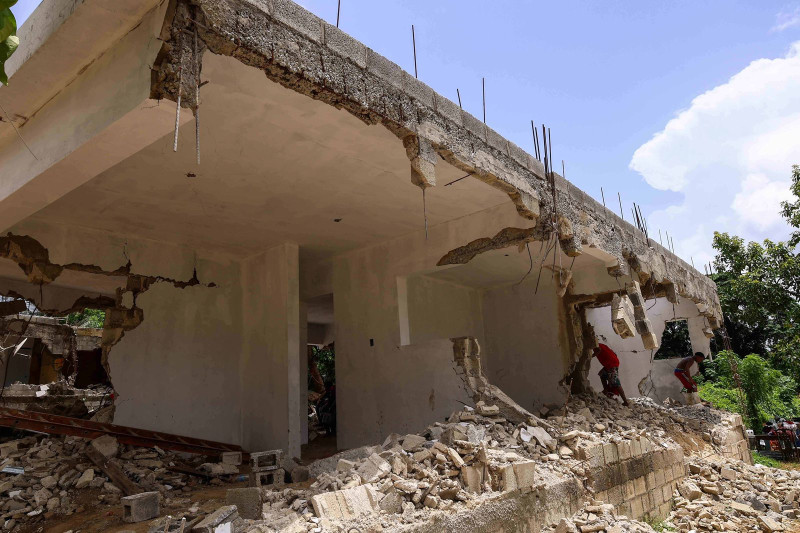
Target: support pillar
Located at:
point(270, 367)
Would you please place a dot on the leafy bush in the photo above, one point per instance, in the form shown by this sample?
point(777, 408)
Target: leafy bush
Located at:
point(8, 36)
point(764, 460)
point(768, 392)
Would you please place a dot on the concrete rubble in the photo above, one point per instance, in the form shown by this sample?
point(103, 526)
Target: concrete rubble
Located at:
point(598, 462)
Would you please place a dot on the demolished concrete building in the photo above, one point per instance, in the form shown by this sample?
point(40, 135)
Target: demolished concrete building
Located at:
point(304, 176)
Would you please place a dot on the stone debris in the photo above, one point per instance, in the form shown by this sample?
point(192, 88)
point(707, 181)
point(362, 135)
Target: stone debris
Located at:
point(474, 457)
point(56, 469)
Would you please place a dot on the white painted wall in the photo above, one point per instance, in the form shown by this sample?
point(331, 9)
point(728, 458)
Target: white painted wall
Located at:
point(525, 352)
point(636, 363)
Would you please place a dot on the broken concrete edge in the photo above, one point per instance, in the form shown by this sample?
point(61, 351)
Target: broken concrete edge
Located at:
point(305, 54)
point(34, 261)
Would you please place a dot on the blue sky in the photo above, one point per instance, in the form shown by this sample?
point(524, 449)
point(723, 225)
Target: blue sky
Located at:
point(609, 76)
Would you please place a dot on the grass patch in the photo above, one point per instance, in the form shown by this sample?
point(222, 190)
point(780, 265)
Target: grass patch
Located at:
point(658, 524)
point(766, 461)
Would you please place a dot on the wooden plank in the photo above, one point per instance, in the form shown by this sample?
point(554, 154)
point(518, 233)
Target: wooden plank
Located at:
point(113, 472)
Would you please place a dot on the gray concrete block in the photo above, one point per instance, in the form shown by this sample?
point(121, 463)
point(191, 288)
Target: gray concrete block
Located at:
point(231, 458)
point(140, 507)
point(344, 45)
point(418, 90)
point(210, 523)
point(267, 460)
point(297, 18)
point(384, 69)
point(448, 109)
point(496, 141)
point(247, 501)
point(475, 126)
point(268, 478)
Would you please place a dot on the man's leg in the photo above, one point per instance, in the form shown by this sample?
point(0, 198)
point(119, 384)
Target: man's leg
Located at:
point(684, 381)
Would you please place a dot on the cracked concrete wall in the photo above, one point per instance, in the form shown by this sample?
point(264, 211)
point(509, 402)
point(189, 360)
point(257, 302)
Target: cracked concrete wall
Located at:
point(635, 361)
point(182, 365)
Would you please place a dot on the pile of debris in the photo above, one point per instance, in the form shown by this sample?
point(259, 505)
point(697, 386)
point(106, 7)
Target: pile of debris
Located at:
point(733, 496)
point(599, 517)
point(41, 478)
point(58, 398)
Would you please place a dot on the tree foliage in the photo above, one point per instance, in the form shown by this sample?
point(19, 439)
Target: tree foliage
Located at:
point(8, 36)
point(675, 341)
point(88, 318)
point(768, 392)
point(759, 290)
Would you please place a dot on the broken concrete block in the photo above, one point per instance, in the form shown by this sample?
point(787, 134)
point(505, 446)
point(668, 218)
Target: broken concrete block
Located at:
point(472, 477)
point(769, 525)
point(728, 473)
point(506, 480)
point(247, 501)
point(373, 468)
point(392, 503)
point(345, 466)
point(268, 478)
point(231, 458)
point(412, 442)
point(455, 457)
point(85, 479)
point(140, 507)
point(220, 517)
point(269, 460)
point(106, 445)
point(487, 410)
point(299, 474)
point(689, 490)
point(542, 437)
point(525, 473)
point(622, 317)
point(346, 504)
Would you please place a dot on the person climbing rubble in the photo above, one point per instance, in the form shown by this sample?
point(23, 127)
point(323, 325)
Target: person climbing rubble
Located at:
point(683, 371)
point(609, 374)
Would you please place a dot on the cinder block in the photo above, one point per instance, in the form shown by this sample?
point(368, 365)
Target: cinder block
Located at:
point(506, 480)
point(268, 479)
point(297, 18)
point(610, 453)
point(636, 508)
point(220, 517)
point(247, 501)
point(262, 461)
point(231, 458)
point(525, 472)
point(385, 69)
point(616, 495)
point(660, 478)
point(140, 507)
point(624, 450)
point(666, 491)
point(650, 480)
point(640, 486)
point(630, 490)
point(345, 46)
point(624, 509)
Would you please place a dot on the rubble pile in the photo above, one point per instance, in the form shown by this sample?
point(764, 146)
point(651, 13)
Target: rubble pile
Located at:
point(733, 496)
point(41, 478)
point(599, 517)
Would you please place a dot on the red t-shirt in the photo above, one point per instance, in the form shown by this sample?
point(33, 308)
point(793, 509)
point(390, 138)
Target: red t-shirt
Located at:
point(607, 357)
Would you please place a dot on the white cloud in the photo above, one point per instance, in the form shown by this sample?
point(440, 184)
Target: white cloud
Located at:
point(730, 155)
point(787, 18)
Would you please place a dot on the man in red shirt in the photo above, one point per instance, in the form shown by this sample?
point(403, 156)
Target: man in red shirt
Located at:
point(609, 375)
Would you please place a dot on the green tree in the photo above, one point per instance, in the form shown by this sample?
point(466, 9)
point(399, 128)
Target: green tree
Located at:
point(88, 318)
point(759, 290)
point(8, 36)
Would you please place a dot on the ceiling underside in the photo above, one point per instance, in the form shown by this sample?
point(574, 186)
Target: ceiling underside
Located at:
point(276, 166)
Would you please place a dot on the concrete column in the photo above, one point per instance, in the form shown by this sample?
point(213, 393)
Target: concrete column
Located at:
point(270, 367)
point(303, 375)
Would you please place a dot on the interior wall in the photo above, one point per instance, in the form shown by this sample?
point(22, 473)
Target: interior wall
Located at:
point(636, 364)
point(440, 309)
point(526, 348)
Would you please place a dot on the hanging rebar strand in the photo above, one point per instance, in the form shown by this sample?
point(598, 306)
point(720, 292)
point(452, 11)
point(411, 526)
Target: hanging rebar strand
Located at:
point(196, 98)
point(425, 213)
point(338, 11)
point(619, 197)
point(483, 86)
point(178, 110)
point(458, 93)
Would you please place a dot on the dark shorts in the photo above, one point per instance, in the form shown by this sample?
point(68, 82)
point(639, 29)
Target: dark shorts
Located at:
point(610, 378)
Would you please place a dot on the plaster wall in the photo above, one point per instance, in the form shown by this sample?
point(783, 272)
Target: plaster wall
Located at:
point(636, 364)
point(526, 345)
point(270, 366)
